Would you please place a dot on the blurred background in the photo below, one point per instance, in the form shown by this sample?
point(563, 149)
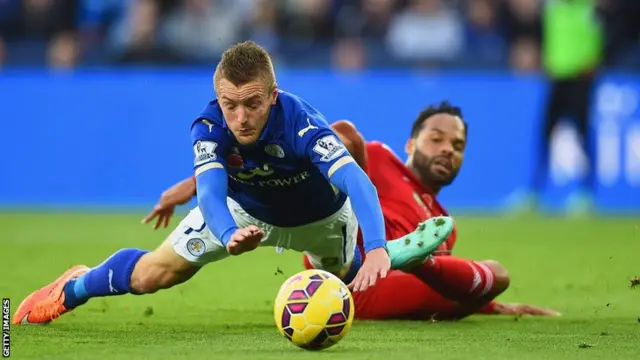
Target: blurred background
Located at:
point(97, 96)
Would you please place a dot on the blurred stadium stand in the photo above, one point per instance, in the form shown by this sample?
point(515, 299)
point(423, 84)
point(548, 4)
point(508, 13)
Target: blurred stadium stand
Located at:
point(127, 56)
point(345, 34)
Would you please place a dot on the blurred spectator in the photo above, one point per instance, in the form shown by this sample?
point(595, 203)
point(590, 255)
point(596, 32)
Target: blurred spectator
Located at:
point(622, 26)
point(306, 20)
point(44, 24)
point(484, 41)
point(523, 32)
point(262, 26)
point(426, 32)
point(63, 51)
point(525, 55)
point(201, 29)
point(376, 17)
point(349, 54)
point(135, 38)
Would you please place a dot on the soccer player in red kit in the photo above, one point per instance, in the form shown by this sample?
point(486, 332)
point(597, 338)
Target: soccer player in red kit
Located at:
point(445, 286)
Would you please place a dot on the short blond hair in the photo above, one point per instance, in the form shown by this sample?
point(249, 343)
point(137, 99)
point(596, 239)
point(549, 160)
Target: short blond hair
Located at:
point(245, 62)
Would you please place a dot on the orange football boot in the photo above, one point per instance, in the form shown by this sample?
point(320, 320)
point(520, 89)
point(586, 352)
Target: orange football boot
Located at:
point(46, 304)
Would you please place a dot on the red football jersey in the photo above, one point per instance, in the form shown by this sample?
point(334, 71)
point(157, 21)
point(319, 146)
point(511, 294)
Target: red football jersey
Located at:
point(405, 200)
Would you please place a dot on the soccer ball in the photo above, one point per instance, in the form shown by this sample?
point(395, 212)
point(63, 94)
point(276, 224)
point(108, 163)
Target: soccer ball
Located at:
point(314, 309)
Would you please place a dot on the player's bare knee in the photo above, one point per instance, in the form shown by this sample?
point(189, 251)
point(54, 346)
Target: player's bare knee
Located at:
point(501, 278)
point(156, 271)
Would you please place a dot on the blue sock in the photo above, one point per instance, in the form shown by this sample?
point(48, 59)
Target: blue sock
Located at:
point(112, 277)
point(354, 268)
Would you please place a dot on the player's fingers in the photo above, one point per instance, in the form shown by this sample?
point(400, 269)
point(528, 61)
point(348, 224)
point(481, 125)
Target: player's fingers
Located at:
point(355, 284)
point(384, 272)
point(359, 284)
point(150, 217)
point(232, 246)
point(167, 217)
point(373, 278)
point(544, 312)
point(158, 222)
point(240, 234)
point(257, 238)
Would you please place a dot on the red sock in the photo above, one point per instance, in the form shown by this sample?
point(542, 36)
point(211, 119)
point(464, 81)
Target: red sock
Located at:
point(455, 278)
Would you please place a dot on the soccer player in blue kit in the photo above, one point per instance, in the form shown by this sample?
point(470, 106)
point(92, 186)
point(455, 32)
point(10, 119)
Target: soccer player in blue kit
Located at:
point(269, 172)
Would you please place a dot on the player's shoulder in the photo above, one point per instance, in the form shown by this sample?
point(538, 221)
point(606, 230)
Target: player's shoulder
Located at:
point(209, 123)
point(211, 113)
point(297, 110)
point(380, 149)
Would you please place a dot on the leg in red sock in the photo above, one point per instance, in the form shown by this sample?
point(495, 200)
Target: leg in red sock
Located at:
point(398, 296)
point(472, 284)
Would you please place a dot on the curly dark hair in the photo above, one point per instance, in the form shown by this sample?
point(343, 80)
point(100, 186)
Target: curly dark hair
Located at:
point(443, 107)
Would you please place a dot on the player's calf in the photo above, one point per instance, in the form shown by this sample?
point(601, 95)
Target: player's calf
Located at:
point(501, 280)
point(159, 270)
point(464, 280)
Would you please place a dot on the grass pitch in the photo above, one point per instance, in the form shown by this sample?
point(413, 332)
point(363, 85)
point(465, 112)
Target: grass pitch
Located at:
point(582, 268)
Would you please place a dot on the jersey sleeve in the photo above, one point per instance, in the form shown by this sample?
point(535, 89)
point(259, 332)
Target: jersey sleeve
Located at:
point(317, 142)
point(330, 156)
point(379, 157)
point(210, 146)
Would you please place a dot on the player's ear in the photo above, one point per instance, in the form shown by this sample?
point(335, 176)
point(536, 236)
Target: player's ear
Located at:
point(274, 95)
point(409, 147)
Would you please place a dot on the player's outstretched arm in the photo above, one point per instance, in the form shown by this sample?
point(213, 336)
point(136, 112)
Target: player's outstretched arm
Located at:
point(330, 156)
point(178, 194)
point(353, 181)
point(353, 140)
point(211, 147)
point(497, 308)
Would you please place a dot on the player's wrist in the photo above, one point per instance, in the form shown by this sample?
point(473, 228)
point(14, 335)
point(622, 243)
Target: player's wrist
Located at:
point(491, 308)
point(374, 244)
point(226, 236)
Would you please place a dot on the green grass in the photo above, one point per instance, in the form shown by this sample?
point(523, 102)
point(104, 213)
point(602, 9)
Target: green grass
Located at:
point(581, 268)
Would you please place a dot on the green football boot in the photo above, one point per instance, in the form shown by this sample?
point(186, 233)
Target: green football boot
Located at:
point(414, 248)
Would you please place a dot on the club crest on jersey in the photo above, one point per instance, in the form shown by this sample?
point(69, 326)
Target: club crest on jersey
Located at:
point(205, 151)
point(329, 148)
point(274, 150)
point(196, 246)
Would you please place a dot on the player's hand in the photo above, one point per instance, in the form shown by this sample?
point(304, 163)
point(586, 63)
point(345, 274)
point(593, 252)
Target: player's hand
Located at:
point(178, 194)
point(376, 264)
point(523, 309)
point(244, 240)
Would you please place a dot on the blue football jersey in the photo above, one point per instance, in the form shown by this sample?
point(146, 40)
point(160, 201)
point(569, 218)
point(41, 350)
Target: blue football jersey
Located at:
point(282, 179)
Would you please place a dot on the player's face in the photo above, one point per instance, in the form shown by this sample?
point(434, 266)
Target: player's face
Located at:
point(436, 153)
point(246, 108)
